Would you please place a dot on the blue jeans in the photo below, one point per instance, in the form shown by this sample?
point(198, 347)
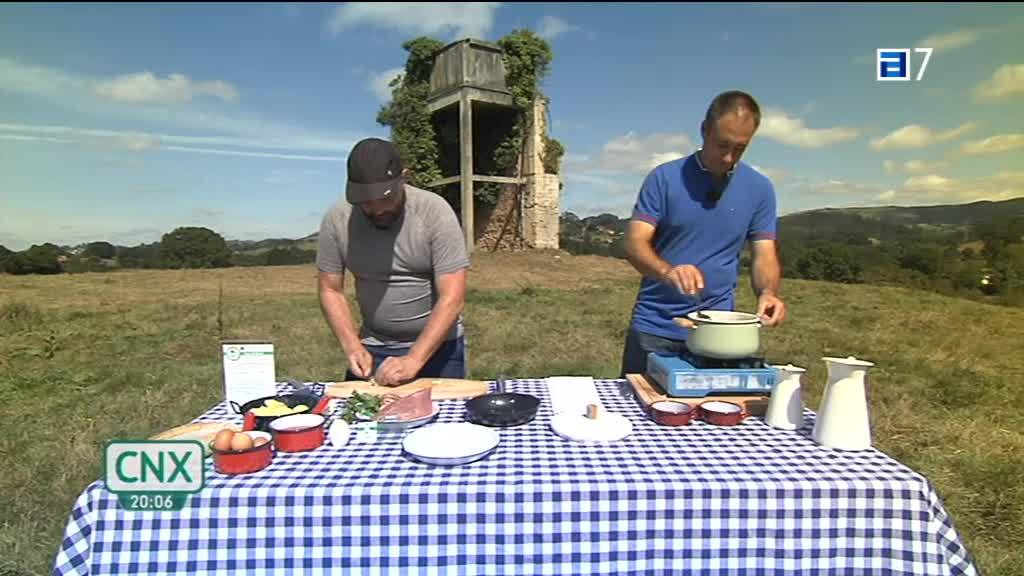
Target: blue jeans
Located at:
point(639, 344)
point(448, 362)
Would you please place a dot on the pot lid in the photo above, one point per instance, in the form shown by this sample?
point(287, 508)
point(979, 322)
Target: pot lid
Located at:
point(788, 368)
point(849, 361)
point(722, 317)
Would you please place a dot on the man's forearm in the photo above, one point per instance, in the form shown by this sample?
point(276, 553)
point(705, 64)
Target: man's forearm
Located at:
point(765, 276)
point(339, 318)
point(442, 317)
point(647, 261)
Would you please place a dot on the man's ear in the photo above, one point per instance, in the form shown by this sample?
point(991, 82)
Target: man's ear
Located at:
point(703, 130)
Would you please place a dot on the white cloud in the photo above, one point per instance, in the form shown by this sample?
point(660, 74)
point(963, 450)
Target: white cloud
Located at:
point(776, 175)
point(76, 93)
point(917, 136)
point(778, 125)
point(458, 20)
point(551, 27)
point(379, 82)
point(634, 154)
point(1006, 81)
point(937, 189)
point(994, 144)
point(912, 166)
point(950, 40)
point(141, 141)
point(609, 180)
point(886, 196)
point(145, 88)
point(916, 189)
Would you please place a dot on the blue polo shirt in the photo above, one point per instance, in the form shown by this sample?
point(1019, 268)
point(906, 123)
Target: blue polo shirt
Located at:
point(692, 229)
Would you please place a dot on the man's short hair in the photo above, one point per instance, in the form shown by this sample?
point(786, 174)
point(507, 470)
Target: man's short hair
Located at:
point(731, 102)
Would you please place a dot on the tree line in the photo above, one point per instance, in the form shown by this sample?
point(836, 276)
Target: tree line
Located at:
point(983, 261)
point(183, 247)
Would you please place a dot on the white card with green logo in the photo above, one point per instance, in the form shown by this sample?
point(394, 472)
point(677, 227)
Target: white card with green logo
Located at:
point(248, 371)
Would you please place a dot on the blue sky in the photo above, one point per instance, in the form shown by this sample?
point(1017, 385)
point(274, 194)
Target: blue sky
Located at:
point(121, 122)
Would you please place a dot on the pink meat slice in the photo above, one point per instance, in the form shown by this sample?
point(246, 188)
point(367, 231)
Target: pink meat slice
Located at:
point(415, 405)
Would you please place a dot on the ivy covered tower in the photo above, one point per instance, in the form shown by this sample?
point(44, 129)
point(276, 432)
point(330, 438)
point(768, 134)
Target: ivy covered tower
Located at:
point(498, 167)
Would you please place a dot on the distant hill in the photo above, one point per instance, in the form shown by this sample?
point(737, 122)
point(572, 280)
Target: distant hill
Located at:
point(882, 224)
point(254, 247)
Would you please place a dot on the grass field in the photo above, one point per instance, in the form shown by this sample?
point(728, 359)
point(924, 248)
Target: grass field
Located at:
point(127, 354)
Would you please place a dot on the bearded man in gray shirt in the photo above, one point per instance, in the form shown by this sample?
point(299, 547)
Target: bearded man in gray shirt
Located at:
point(405, 249)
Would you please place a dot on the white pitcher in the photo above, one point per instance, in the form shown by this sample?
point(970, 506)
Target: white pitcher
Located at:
point(843, 421)
point(786, 407)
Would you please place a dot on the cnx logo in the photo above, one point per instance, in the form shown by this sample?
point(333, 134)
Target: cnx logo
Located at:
point(894, 63)
point(154, 466)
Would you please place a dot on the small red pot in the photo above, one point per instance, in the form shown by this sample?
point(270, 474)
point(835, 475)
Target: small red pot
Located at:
point(670, 413)
point(298, 433)
point(244, 461)
point(722, 413)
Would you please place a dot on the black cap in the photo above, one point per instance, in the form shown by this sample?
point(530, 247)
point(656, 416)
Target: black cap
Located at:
point(374, 171)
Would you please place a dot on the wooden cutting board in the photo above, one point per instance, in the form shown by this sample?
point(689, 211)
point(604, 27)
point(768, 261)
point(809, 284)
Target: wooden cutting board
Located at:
point(650, 392)
point(444, 388)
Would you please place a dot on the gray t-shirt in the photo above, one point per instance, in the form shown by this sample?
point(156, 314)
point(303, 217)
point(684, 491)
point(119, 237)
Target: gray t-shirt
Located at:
point(395, 269)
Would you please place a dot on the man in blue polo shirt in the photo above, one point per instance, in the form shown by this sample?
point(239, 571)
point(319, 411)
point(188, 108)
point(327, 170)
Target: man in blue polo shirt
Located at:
point(690, 223)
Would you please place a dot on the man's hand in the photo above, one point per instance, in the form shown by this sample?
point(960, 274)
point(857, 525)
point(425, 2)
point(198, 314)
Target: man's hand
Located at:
point(771, 309)
point(686, 278)
point(398, 370)
point(360, 362)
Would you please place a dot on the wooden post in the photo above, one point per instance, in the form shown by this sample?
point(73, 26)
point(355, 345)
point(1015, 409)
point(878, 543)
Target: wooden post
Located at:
point(466, 168)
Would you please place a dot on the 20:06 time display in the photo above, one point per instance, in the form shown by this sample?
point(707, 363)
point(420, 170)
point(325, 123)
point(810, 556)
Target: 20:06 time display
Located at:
point(144, 502)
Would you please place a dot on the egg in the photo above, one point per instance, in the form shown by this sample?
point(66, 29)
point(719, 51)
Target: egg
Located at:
point(260, 441)
point(241, 442)
point(222, 441)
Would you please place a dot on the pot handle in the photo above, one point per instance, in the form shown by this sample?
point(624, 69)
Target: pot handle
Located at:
point(235, 406)
point(322, 405)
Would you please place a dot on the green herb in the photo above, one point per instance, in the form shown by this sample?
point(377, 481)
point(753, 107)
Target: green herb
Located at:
point(361, 407)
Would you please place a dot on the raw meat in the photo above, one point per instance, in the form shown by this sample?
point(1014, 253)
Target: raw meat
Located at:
point(415, 405)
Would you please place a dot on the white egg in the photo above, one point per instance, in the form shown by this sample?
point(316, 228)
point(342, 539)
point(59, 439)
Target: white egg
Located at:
point(339, 433)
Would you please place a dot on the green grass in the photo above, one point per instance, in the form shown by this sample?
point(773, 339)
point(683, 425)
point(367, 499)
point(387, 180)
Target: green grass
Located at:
point(100, 356)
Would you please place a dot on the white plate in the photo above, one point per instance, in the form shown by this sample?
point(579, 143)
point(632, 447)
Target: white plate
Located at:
point(451, 443)
point(609, 427)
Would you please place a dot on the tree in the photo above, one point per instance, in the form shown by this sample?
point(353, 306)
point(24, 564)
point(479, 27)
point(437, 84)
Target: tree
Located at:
point(289, 256)
point(832, 262)
point(194, 247)
point(39, 259)
point(927, 259)
point(103, 250)
point(408, 116)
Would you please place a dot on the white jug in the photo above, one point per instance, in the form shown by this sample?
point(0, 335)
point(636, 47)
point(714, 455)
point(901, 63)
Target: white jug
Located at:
point(843, 421)
point(786, 407)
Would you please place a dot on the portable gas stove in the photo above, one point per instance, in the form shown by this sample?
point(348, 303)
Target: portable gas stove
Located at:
point(692, 376)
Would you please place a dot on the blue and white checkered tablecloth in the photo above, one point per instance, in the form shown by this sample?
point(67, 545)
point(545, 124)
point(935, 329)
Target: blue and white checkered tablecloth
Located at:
point(699, 499)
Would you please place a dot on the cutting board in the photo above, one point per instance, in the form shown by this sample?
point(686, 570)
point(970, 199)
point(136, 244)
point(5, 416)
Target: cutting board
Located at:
point(444, 388)
point(649, 392)
point(204, 432)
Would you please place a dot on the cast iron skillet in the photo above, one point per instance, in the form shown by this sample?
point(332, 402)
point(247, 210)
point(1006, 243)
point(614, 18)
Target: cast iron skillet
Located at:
point(502, 409)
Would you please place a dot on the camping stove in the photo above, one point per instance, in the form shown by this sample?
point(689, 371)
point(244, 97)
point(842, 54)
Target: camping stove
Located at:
point(692, 376)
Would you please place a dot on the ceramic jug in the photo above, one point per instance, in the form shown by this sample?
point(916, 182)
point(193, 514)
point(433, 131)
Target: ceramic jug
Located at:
point(843, 421)
point(786, 406)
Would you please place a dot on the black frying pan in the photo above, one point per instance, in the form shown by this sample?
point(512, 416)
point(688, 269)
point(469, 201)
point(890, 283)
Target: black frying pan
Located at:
point(502, 409)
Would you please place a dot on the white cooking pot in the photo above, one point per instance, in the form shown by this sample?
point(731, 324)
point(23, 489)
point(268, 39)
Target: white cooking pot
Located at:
point(723, 334)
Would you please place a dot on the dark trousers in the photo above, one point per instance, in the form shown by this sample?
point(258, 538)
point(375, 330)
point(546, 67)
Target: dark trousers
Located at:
point(640, 344)
point(448, 362)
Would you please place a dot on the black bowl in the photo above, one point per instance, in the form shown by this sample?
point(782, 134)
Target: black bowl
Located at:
point(502, 409)
point(291, 400)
